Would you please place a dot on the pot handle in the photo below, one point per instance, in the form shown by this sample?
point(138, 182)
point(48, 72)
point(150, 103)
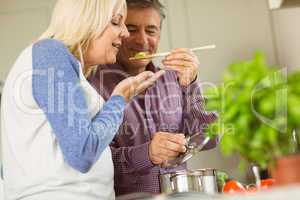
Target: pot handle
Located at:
point(172, 184)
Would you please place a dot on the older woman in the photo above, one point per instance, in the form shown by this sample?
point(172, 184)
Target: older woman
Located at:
point(55, 127)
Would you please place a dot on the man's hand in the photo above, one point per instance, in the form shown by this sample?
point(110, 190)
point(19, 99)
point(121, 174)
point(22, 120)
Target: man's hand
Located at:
point(166, 146)
point(185, 62)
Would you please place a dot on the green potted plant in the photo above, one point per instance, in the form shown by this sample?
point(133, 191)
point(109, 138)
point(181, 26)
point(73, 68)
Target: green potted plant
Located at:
point(259, 115)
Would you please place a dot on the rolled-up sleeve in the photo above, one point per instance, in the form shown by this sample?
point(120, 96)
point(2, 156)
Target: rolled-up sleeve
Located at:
point(131, 159)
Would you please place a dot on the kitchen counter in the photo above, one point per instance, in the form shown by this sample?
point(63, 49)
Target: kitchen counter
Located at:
point(282, 193)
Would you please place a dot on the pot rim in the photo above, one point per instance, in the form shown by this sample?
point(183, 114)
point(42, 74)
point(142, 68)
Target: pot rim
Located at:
point(208, 171)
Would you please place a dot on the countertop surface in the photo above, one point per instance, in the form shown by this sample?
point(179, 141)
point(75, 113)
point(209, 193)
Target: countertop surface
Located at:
point(279, 193)
point(289, 193)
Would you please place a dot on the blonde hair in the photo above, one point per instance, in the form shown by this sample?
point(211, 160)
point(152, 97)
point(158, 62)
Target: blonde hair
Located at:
point(77, 22)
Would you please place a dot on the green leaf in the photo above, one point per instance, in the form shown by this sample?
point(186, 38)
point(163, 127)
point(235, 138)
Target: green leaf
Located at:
point(227, 144)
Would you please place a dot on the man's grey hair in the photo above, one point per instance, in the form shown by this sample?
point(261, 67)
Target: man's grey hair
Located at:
point(156, 4)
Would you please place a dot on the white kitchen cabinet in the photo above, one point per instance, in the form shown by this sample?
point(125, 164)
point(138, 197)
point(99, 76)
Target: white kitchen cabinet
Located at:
point(274, 4)
point(287, 32)
point(277, 4)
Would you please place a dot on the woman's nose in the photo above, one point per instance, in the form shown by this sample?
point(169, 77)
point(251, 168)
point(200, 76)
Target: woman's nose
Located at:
point(124, 32)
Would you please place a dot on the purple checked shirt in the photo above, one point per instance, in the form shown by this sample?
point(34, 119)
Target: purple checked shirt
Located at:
point(166, 106)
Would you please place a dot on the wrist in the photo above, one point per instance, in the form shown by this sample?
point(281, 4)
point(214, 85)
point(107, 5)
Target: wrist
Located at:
point(191, 86)
point(119, 98)
point(119, 95)
point(140, 158)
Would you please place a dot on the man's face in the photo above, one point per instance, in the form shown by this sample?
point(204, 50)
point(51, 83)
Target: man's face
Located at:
point(144, 28)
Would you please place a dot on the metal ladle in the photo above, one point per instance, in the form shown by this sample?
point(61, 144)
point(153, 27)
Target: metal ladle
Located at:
point(192, 149)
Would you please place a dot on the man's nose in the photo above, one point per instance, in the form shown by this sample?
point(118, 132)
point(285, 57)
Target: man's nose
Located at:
point(141, 38)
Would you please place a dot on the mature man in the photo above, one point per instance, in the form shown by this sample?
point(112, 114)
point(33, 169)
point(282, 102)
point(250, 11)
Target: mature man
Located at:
point(154, 123)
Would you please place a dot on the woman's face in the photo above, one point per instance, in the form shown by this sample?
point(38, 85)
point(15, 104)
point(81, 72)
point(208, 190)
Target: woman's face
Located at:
point(104, 49)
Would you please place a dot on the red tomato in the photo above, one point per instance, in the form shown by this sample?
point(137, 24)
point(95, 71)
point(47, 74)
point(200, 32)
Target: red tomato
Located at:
point(267, 183)
point(232, 187)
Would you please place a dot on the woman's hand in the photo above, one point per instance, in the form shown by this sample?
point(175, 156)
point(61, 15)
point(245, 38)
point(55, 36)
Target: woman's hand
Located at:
point(185, 62)
point(130, 87)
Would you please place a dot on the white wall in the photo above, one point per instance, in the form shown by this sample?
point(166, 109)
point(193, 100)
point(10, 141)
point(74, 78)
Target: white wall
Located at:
point(21, 22)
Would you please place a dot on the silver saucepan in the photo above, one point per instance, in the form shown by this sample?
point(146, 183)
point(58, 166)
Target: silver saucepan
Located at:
point(200, 180)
